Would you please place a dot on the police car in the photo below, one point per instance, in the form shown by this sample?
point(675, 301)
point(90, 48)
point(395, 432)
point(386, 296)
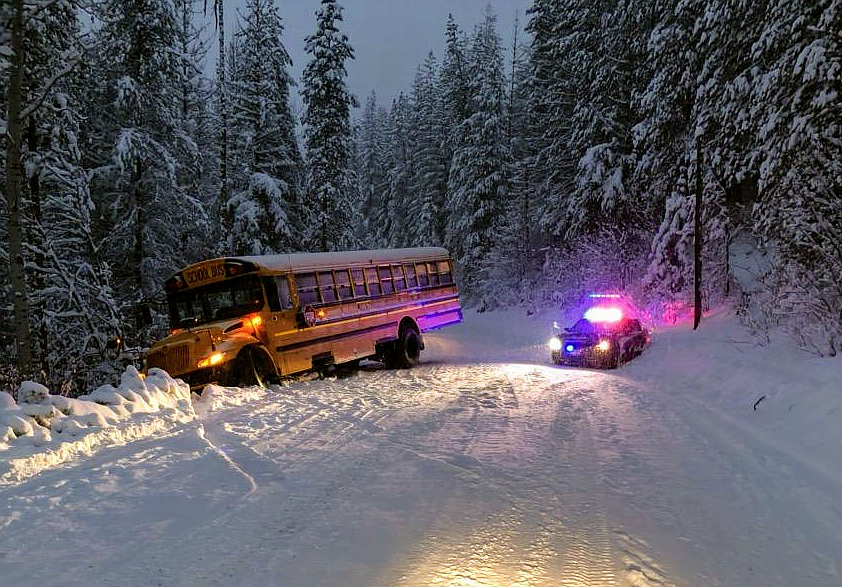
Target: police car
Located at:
point(606, 336)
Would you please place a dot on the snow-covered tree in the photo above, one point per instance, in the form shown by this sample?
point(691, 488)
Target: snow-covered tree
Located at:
point(44, 48)
point(477, 186)
point(140, 40)
point(372, 174)
point(551, 101)
point(77, 305)
point(265, 207)
point(455, 74)
point(328, 202)
point(515, 259)
point(429, 182)
point(400, 220)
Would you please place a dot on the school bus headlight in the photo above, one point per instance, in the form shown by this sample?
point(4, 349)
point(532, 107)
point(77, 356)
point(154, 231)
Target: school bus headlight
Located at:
point(214, 359)
point(256, 321)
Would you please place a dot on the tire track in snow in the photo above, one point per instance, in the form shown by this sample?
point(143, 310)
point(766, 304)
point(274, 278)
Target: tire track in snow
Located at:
point(528, 454)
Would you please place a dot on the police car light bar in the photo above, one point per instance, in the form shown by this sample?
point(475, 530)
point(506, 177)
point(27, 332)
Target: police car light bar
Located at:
point(604, 296)
point(604, 314)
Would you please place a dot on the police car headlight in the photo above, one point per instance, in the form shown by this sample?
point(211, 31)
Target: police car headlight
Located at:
point(603, 345)
point(555, 344)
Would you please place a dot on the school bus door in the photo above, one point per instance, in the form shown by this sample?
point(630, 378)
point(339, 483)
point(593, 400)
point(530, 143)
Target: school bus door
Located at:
point(282, 314)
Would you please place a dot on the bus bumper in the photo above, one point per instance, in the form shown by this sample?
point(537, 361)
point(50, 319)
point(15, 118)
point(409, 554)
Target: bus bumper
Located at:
point(200, 378)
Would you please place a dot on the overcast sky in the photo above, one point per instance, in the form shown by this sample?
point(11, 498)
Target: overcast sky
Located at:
point(390, 37)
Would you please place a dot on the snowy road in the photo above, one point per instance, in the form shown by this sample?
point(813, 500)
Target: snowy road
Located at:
point(482, 467)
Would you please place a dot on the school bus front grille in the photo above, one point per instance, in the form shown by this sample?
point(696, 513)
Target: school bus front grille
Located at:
point(174, 360)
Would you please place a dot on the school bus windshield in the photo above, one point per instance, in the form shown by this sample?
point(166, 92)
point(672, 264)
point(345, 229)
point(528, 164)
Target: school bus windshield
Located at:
point(218, 301)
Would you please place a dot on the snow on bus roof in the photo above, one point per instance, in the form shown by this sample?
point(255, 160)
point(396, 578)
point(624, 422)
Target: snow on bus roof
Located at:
point(299, 261)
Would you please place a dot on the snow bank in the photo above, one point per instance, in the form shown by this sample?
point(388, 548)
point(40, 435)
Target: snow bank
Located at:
point(787, 396)
point(42, 430)
point(215, 398)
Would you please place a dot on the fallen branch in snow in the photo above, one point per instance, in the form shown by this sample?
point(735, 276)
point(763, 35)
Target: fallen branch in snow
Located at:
point(762, 397)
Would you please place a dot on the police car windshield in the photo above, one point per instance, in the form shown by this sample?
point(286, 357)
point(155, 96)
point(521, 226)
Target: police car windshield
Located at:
point(584, 326)
point(218, 301)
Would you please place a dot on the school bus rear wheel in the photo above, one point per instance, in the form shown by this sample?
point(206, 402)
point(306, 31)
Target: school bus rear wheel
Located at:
point(406, 352)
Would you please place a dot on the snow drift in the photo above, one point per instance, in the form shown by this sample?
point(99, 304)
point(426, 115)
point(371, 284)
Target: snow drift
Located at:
point(43, 430)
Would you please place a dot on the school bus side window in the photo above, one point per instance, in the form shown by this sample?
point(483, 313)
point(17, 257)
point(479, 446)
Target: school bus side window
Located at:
point(308, 290)
point(359, 282)
point(373, 281)
point(343, 284)
point(422, 275)
point(445, 273)
point(411, 280)
point(386, 279)
point(284, 292)
point(271, 287)
point(326, 286)
point(433, 273)
point(400, 281)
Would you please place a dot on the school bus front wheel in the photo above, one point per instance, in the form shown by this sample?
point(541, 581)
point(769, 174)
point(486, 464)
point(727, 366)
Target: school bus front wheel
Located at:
point(251, 367)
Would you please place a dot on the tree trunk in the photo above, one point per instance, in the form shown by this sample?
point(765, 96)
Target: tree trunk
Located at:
point(697, 242)
point(223, 112)
point(41, 346)
point(727, 260)
point(14, 178)
point(140, 223)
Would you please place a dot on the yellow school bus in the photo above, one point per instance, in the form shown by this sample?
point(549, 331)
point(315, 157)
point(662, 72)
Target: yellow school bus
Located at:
point(251, 320)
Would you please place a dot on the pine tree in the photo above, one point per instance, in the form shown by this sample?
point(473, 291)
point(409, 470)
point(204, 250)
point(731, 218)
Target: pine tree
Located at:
point(43, 50)
point(795, 113)
point(610, 54)
point(429, 183)
point(455, 74)
point(478, 181)
point(400, 172)
point(222, 113)
point(516, 261)
point(327, 133)
point(139, 142)
point(552, 90)
point(196, 174)
point(265, 208)
point(79, 311)
point(373, 178)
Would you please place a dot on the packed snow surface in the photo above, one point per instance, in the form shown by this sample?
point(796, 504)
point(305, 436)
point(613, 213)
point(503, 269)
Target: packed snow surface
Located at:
point(485, 466)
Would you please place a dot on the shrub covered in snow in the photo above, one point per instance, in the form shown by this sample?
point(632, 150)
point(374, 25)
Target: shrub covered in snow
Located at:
point(30, 392)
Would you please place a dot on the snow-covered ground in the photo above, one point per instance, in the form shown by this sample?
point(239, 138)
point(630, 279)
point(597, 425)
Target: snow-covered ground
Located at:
point(485, 466)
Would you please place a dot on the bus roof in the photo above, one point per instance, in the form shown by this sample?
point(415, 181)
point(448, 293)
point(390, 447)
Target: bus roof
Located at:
point(291, 262)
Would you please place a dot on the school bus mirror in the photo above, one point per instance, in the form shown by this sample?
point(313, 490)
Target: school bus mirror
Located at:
point(113, 343)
